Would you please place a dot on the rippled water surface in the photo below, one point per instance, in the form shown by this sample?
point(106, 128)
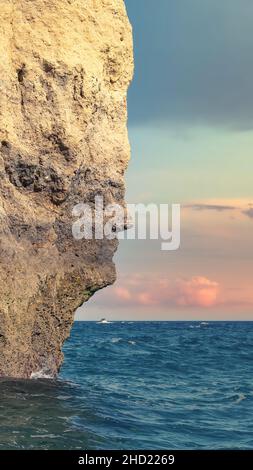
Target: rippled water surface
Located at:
point(139, 385)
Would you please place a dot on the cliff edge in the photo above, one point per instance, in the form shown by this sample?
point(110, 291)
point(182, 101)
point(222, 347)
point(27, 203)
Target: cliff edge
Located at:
point(64, 72)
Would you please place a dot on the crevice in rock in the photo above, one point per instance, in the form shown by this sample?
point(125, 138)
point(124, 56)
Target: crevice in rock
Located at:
point(21, 72)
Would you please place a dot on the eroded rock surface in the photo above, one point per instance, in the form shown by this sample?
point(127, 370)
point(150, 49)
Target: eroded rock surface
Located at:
point(64, 72)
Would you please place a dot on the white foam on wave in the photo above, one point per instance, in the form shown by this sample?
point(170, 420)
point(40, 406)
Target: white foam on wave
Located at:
point(240, 398)
point(41, 374)
point(115, 340)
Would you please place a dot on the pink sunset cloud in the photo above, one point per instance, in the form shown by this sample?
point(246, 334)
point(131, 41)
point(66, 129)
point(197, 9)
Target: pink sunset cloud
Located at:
point(198, 291)
point(146, 291)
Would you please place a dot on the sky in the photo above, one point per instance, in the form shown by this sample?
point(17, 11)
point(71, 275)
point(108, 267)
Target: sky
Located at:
point(191, 131)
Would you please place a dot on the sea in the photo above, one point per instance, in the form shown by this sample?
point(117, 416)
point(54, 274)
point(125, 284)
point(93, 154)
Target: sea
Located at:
point(138, 385)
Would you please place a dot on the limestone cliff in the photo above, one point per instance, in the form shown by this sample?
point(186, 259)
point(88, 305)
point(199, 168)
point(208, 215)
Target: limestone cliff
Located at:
point(64, 72)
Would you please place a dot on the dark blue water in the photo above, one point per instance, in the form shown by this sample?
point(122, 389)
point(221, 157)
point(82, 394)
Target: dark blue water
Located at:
point(139, 385)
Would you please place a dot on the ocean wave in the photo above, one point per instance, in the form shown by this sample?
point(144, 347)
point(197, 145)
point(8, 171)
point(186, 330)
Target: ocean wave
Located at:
point(108, 386)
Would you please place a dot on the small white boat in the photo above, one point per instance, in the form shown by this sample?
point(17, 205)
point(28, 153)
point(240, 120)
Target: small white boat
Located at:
point(103, 321)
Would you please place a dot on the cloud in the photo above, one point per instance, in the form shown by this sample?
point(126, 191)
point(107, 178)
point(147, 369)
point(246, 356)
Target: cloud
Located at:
point(249, 212)
point(145, 291)
point(193, 62)
point(122, 293)
point(243, 207)
point(212, 207)
point(198, 291)
point(150, 293)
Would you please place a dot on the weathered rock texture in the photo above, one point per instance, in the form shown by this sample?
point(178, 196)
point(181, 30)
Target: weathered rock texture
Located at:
point(65, 66)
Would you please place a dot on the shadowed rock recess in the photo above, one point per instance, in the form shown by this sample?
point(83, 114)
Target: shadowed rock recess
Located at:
point(64, 72)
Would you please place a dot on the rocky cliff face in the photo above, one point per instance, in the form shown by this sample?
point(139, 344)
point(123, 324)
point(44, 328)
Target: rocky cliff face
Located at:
point(64, 71)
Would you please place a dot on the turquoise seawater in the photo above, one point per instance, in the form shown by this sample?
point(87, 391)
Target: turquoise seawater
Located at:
point(124, 385)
